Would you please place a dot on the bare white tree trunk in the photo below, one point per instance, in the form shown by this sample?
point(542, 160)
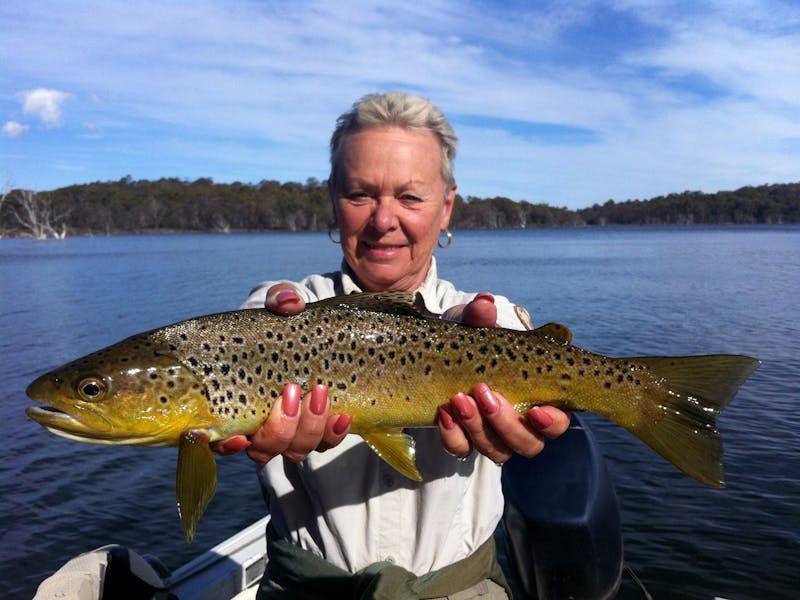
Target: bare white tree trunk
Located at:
point(36, 216)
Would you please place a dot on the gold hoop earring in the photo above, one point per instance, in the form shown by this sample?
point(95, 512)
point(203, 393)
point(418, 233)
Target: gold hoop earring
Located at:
point(449, 239)
point(330, 235)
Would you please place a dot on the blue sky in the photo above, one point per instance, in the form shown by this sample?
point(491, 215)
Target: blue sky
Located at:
point(568, 103)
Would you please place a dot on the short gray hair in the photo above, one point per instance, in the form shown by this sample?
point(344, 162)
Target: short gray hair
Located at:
point(399, 109)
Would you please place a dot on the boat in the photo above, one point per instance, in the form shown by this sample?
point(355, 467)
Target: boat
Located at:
point(560, 536)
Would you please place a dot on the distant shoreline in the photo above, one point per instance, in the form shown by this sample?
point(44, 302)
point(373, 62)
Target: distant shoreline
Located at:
point(202, 206)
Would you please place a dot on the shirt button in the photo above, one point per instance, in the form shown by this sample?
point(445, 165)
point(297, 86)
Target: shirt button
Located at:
point(390, 559)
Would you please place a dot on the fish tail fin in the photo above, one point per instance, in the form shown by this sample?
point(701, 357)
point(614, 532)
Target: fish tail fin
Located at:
point(698, 389)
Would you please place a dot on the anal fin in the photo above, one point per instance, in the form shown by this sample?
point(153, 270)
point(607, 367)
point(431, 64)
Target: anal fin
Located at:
point(396, 448)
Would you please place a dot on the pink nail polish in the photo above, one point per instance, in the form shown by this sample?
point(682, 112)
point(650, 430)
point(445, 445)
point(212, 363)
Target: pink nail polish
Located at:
point(290, 400)
point(464, 408)
point(342, 423)
point(319, 399)
point(539, 418)
point(446, 419)
point(488, 403)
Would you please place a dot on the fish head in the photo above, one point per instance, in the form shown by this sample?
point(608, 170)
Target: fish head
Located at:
point(134, 392)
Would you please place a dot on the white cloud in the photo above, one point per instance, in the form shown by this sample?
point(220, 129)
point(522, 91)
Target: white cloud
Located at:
point(13, 129)
point(44, 104)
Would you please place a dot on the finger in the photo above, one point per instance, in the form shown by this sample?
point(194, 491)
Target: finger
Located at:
point(480, 312)
point(232, 445)
point(548, 420)
point(276, 434)
point(454, 438)
point(310, 429)
point(481, 434)
point(284, 299)
point(516, 432)
point(336, 429)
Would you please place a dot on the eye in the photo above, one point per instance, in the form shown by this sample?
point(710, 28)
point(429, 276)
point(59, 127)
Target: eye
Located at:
point(92, 389)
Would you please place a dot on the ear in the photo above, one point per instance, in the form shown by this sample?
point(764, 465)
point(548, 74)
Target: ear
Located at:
point(449, 201)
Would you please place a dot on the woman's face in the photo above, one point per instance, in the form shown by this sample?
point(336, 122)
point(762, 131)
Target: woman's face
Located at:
point(391, 204)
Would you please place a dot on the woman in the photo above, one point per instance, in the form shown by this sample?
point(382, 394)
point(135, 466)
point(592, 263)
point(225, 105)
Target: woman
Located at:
point(393, 190)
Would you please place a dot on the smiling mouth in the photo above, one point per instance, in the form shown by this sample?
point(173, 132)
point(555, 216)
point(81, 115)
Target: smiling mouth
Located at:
point(374, 246)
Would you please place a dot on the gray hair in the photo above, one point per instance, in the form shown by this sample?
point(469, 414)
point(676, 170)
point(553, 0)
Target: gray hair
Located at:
point(399, 109)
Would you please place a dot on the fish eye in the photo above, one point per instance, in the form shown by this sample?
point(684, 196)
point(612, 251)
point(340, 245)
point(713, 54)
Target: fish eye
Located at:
point(92, 389)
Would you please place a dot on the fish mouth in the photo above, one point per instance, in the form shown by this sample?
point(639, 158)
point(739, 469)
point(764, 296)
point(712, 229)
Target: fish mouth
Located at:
point(65, 425)
point(61, 423)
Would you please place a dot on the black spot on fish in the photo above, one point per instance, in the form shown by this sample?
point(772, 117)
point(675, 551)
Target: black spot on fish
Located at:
point(224, 368)
point(238, 340)
point(164, 399)
point(607, 385)
point(242, 399)
point(524, 374)
point(428, 369)
point(480, 369)
point(566, 376)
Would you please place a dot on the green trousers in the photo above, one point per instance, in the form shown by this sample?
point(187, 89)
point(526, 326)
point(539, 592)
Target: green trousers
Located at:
point(299, 574)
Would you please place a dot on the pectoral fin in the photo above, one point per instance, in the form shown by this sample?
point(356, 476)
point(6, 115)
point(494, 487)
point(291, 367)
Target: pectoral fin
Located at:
point(196, 482)
point(396, 448)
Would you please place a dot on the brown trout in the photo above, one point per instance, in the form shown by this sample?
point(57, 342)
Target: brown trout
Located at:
point(388, 363)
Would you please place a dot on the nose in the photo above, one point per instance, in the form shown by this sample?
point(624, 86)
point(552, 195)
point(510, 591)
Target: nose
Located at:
point(384, 216)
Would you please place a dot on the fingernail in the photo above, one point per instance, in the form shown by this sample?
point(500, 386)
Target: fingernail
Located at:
point(488, 403)
point(539, 418)
point(342, 423)
point(485, 296)
point(446, 419)
point(290, 400)
point(464, 408)
point(286, 298)
point(319, 399)
point(236, 444)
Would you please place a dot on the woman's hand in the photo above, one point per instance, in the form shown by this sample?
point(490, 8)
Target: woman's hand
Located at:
point(485, 420)
point(295, 425)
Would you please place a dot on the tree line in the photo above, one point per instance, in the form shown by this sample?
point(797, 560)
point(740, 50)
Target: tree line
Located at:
point(170, 204)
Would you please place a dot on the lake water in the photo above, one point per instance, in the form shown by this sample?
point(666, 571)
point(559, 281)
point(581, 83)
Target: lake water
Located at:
point(623, 291)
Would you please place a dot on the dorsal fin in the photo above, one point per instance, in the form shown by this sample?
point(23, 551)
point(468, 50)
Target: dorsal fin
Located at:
point(396, 302)
point(554, 331)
